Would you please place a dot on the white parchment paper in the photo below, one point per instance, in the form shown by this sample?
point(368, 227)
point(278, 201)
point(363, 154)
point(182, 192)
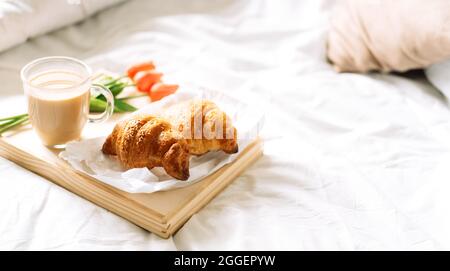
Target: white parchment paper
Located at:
point(86, 155)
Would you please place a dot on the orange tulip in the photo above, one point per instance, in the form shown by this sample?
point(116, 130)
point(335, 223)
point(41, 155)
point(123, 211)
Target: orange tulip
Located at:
point(146, 79)
point(144, 66)
point(161, 90)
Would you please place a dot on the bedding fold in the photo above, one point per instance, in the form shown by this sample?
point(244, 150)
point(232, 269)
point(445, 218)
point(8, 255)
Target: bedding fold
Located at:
point(437, 74)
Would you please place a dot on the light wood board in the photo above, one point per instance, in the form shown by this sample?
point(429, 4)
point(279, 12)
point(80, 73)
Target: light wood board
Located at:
point(162, 213)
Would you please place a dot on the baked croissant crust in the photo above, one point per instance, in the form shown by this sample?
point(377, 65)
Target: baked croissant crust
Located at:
point(203, 125)
point(149, 141)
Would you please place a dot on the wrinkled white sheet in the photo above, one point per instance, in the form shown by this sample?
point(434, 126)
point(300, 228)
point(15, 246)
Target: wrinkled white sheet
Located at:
point(351, 161)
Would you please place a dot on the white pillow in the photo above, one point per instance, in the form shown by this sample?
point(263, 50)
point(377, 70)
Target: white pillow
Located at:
point(23, 19)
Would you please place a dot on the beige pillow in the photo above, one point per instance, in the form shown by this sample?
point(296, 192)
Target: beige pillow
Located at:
point(388, 35)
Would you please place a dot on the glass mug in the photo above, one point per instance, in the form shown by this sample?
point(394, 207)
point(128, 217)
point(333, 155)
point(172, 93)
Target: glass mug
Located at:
point(58, 90)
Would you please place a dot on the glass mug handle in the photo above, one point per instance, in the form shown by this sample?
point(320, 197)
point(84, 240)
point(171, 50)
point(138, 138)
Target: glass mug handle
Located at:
point(109, 110)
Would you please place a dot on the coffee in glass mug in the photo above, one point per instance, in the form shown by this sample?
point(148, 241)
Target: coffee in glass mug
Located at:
point(58, 91)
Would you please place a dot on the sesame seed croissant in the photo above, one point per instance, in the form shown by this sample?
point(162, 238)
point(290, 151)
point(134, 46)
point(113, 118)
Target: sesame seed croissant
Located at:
point(149, 141)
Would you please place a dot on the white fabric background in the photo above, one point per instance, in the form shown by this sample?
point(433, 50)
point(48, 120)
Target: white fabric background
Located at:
point(351, 161)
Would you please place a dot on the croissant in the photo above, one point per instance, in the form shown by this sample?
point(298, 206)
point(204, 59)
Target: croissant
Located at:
point(204, 126)
point(149, 141)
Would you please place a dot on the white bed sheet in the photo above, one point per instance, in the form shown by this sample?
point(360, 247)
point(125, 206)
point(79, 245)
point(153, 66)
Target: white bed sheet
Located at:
point(351, 161)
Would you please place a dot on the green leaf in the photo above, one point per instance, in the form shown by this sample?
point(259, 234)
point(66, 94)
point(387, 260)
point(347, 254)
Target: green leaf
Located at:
point(97, 105)
point(125, 107)
point(115, 85)
point(110, 81)
point(116, 89)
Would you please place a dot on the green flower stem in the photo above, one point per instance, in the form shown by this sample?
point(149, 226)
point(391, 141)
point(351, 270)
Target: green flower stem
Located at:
point(14, 117)
point(132, 97)
point(14, 124)
point(114, 81)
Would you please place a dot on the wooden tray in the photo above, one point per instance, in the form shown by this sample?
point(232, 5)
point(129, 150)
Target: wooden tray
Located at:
point(162, 213)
